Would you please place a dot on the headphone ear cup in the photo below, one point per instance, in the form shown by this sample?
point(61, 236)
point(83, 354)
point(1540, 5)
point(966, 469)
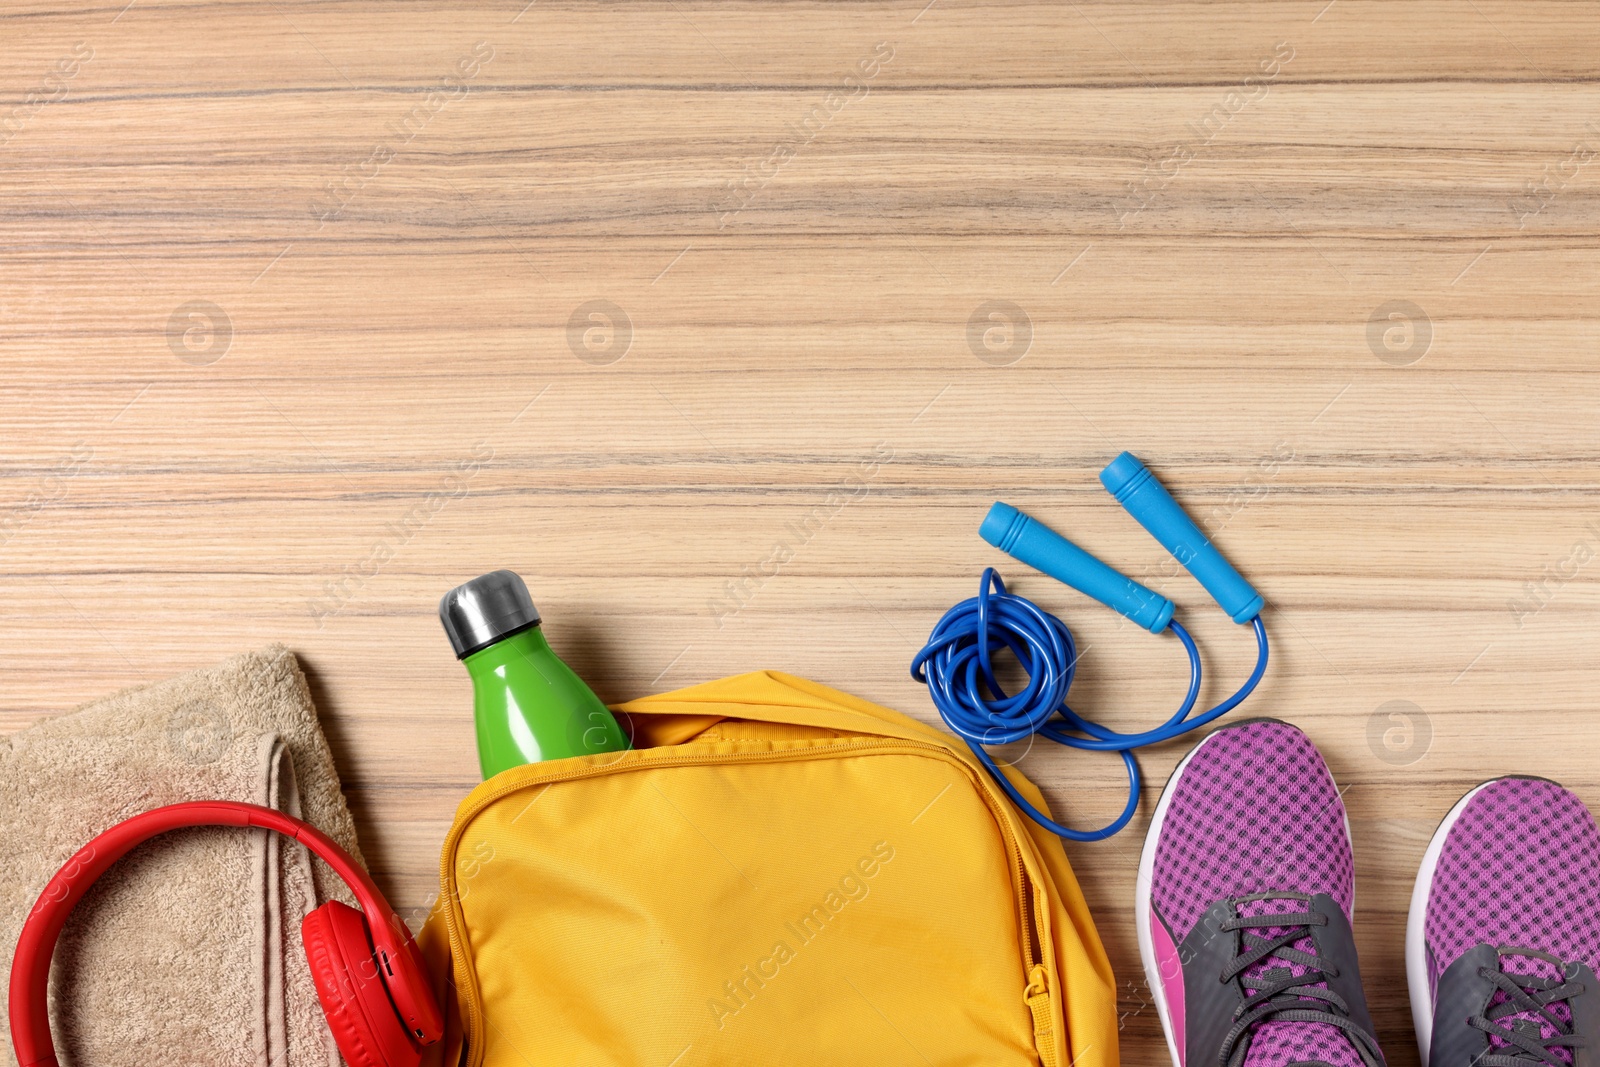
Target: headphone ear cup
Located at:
point(365, 1025)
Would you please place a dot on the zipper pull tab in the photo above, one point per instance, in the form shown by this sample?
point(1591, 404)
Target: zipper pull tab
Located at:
point(1037, 996)
point(1038, 982)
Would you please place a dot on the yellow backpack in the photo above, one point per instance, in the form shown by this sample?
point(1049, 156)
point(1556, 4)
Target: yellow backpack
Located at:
point(778, 873)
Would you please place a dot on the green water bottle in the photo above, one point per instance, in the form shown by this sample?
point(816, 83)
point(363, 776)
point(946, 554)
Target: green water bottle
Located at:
point(528, 705)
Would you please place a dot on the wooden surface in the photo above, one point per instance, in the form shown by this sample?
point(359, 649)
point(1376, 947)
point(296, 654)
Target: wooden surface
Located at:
point(389, 213)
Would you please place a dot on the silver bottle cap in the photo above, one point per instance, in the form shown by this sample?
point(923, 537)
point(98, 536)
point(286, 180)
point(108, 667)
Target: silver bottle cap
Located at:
point(484, 610)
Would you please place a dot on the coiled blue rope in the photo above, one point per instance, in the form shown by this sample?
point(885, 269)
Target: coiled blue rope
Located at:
point(957, 666)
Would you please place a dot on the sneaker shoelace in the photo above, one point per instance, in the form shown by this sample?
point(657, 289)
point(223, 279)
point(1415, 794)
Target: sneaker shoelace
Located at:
point(1294, 990)
point(1529, 1020)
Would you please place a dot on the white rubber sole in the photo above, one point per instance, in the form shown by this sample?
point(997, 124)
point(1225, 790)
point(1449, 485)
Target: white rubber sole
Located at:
point(1141, 895)
point(1416, 933)
point(1141, 904)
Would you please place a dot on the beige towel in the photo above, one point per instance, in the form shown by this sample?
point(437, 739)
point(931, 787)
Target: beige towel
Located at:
point(189, 949)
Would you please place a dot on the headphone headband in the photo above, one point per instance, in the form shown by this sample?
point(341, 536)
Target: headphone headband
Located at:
point(30, 968)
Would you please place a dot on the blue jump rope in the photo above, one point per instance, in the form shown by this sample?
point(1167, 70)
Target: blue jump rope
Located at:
point(956, 664)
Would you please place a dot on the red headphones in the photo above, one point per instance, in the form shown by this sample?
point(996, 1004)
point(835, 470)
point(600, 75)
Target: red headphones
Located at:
point(369, 975)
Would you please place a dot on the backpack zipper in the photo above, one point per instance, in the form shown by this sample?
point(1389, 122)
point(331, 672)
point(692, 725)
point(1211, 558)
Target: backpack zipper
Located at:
point(1022, 884)
point(1037, 997)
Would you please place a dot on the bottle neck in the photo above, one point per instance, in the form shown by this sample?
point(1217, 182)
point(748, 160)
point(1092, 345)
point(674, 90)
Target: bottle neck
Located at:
point(523, 645)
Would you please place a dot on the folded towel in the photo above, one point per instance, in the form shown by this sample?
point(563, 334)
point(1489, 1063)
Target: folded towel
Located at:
point(189, 948)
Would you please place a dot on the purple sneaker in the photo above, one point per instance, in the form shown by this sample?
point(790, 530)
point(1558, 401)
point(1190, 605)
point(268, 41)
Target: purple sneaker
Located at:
point(1503, 939)
point(1243, 907)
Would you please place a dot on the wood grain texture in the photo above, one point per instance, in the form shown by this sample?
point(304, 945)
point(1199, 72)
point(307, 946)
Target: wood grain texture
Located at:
point(390, 214)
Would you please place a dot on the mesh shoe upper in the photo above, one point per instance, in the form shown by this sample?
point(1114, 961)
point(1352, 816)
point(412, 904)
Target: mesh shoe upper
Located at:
point(1517, 886)
point(1254, 810)
point(1520, 867)
point(1284, 1043)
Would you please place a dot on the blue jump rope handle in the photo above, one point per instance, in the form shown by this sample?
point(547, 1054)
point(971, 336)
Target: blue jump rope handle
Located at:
point(1148, 501)
point(1031, 541)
